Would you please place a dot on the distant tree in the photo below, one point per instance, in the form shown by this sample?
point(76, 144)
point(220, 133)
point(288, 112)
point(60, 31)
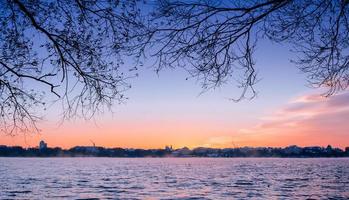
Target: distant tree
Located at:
point(72, 50)
point(61, 50)
point(215, 40)
point(347, 151)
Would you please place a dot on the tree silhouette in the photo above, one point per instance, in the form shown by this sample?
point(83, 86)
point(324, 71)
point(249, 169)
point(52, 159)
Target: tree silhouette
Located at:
point(215, 40)
point(61, 50)
point(73, 50)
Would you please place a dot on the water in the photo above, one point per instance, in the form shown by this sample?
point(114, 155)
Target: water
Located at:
point(173, 178)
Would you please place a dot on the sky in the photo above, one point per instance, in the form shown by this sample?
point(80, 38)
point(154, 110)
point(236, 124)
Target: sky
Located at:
point(167, 109)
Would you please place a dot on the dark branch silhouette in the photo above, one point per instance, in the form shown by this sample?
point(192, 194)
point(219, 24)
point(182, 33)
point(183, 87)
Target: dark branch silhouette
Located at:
point(61, 50)
point(215, 40)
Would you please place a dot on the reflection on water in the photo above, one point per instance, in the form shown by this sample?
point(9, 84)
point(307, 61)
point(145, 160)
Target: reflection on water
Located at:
point(173, 178)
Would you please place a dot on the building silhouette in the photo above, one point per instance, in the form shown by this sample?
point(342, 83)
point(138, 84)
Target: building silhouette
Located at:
point(42, 145)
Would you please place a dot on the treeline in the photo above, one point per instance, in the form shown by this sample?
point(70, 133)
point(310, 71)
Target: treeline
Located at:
point(18, 151)
point(80, 151)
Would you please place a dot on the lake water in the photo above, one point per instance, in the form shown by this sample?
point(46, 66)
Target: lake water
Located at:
point(173, 178)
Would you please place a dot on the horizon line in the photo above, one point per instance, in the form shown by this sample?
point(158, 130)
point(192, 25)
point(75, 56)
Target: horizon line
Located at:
point(183, 147)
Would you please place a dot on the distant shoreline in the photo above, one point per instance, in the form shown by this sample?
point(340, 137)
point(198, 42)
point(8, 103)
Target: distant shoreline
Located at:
point(168, 152)
point(43, 157)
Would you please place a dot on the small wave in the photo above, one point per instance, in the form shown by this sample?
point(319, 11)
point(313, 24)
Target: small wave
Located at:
point(20, 192)
point(241, 182)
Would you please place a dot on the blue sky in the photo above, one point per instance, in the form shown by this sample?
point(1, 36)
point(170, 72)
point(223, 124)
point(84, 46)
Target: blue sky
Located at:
point(166, 108)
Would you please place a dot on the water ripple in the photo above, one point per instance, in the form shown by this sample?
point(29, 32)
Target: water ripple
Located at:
point(173, 178)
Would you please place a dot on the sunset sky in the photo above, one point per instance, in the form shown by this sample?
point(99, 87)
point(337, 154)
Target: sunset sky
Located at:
point(169, 110)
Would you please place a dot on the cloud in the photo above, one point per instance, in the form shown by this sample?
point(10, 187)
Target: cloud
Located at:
point(218, 142)
point(307, 120)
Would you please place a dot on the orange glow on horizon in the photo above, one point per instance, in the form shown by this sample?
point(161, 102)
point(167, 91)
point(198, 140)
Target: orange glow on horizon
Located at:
point(306, 122)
